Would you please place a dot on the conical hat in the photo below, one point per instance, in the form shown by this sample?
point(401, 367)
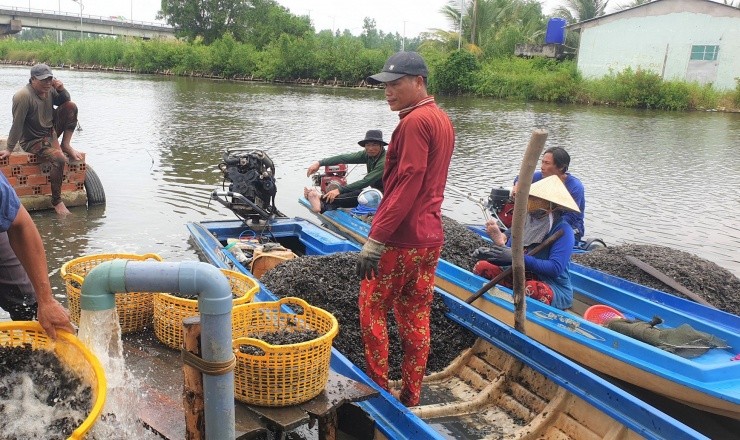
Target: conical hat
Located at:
point(553, 190)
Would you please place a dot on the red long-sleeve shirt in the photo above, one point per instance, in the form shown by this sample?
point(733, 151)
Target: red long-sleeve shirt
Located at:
point(418, 157)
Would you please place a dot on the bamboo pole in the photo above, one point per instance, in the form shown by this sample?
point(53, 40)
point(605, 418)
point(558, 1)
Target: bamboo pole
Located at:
point(529, 164)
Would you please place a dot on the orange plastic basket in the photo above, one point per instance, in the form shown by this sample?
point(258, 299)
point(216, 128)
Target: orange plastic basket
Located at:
point(71, 352)
point(284, 374)
point(134, 309)
point(600, 314)
point(169, 310)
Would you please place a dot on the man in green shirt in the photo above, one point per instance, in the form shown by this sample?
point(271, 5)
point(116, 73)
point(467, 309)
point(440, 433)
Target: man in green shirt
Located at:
point(372, 155)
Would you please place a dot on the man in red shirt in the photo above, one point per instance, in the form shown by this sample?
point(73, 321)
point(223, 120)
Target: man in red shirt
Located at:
point(398, 261)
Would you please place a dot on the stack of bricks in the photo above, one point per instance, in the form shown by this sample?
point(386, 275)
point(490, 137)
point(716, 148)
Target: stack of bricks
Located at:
point(31, 182)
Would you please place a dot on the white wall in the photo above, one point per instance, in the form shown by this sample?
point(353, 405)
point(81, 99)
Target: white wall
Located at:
point(659, 36)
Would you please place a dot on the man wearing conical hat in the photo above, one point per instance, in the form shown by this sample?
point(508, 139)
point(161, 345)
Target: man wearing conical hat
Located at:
point(547, 275)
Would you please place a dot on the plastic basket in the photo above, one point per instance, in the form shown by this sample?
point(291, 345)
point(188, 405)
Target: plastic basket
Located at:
point(284, 374)
point(169, 310)
point(71, 352)
point(600, 314)
point(134, 309)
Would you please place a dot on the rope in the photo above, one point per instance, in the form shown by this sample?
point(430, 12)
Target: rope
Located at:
point(211, 368)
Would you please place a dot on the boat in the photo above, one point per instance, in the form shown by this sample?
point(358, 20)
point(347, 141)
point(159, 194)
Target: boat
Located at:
point(506, 386)
point(709, 382)
point(605, 285)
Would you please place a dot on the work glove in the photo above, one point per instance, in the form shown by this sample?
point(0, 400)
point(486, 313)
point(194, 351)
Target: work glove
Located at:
point(498, 255)
point(367, 264)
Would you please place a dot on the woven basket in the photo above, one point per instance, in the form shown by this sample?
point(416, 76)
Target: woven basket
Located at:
point(284, 374)
point(169, 310)
point(134, 308)
point(71, 352)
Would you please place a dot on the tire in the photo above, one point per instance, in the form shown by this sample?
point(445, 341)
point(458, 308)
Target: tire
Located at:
point(93, 188)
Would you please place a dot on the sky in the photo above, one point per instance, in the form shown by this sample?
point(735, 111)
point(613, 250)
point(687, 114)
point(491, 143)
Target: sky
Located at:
point(407, 17)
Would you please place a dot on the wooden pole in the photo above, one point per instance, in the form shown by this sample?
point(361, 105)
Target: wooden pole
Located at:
point(529, 164)
point(192, 393)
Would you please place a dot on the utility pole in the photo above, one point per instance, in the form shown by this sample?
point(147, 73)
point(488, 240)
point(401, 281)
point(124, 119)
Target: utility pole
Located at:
point(81, 8)
point(403, 42)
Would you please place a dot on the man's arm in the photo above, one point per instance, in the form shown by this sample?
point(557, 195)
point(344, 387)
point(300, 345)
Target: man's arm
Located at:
point(26, 243)
point(375, 175)
point(20, 110)
point(59, 94)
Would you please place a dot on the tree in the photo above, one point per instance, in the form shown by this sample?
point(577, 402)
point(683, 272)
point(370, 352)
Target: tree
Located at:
point(209, 19)
point(576, 11)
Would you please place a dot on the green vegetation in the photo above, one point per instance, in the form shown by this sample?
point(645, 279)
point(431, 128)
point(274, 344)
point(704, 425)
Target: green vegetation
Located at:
point(259, 39)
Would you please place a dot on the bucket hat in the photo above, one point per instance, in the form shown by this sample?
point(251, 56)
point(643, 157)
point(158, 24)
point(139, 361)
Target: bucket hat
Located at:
point(373, 136)
point(399, 65)
point(41, 71)
point(553, 190)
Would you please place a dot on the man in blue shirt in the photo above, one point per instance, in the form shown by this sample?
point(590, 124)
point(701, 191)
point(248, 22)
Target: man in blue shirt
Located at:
point(24, 245)
point(555, 162)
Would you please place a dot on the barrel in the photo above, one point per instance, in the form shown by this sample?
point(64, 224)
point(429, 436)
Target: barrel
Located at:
point(555, 33)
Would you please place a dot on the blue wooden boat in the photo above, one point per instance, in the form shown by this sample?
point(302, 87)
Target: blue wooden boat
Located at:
point(604, 285)
point(506, 386)
point(710, 382)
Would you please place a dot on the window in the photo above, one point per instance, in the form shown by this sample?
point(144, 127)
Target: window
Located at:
point(704, 53)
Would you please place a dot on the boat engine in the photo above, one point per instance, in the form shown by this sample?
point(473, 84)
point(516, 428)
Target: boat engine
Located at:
point(501, 204)
point(252, 188)
point(332, 174)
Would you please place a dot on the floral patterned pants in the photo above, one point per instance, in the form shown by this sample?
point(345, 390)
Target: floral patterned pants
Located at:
point(405, 282)
point(532, 286)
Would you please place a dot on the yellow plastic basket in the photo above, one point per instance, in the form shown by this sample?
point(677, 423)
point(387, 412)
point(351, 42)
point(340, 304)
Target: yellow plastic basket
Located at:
point(71, 352)
point(169, 310)
point(134, 309)
point(284, 374)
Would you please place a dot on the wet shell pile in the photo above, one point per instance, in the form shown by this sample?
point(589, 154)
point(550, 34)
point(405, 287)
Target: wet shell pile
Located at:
point(35, 383)
point(706, 279)
point(329, 282)
point(280, 337)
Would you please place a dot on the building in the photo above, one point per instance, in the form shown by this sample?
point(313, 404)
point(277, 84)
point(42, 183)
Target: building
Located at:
point(687, 40)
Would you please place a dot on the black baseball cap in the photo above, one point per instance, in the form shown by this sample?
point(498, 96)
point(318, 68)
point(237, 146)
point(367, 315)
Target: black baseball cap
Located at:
point(41, 71)
point(399, 65)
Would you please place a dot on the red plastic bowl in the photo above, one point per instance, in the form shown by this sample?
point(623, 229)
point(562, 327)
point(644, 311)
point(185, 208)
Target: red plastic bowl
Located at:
point(600, 314)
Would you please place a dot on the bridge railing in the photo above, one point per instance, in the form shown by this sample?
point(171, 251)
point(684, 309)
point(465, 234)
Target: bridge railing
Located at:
point(31, 12)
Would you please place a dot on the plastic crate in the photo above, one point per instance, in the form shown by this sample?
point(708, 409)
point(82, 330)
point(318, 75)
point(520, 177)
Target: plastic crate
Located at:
point(135, 309)
point(284, 374)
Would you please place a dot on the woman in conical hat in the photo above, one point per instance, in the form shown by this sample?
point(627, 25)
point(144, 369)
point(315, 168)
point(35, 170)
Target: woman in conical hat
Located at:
point(547, 276)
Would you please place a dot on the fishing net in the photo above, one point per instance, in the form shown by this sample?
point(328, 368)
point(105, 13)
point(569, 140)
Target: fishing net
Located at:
point(684, 340)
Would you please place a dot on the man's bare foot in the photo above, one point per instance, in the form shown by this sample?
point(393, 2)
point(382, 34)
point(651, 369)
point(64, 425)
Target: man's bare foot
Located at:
point(73, 154)
point(61, 209)
point(314, 198)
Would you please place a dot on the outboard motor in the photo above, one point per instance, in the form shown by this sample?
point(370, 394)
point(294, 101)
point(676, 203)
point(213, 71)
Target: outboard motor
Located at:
point(252, 188)
point(502, 205)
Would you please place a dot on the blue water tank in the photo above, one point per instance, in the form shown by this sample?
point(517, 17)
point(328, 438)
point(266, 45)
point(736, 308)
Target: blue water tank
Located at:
point(555, 31)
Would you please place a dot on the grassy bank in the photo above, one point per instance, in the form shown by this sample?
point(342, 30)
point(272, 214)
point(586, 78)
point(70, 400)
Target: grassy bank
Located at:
point(341, 60)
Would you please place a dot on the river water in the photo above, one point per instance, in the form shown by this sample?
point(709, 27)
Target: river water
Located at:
point(155, 142)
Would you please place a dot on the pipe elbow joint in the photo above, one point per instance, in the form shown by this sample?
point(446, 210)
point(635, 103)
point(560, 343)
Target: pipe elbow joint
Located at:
point(100, 285)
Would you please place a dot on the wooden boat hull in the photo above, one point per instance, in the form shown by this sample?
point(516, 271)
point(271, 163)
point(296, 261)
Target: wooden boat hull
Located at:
point(506, 380)
point(710, 382)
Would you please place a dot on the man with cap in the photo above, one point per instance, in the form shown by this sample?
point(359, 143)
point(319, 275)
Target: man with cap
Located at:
point(398, 261)
point(345, 196)
point(37, 125)
point(547, 275)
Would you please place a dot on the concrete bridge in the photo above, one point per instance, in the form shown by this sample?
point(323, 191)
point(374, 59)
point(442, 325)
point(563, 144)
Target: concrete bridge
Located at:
point(13, 19)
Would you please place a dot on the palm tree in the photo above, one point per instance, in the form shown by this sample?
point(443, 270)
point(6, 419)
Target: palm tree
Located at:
point(580, 10)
